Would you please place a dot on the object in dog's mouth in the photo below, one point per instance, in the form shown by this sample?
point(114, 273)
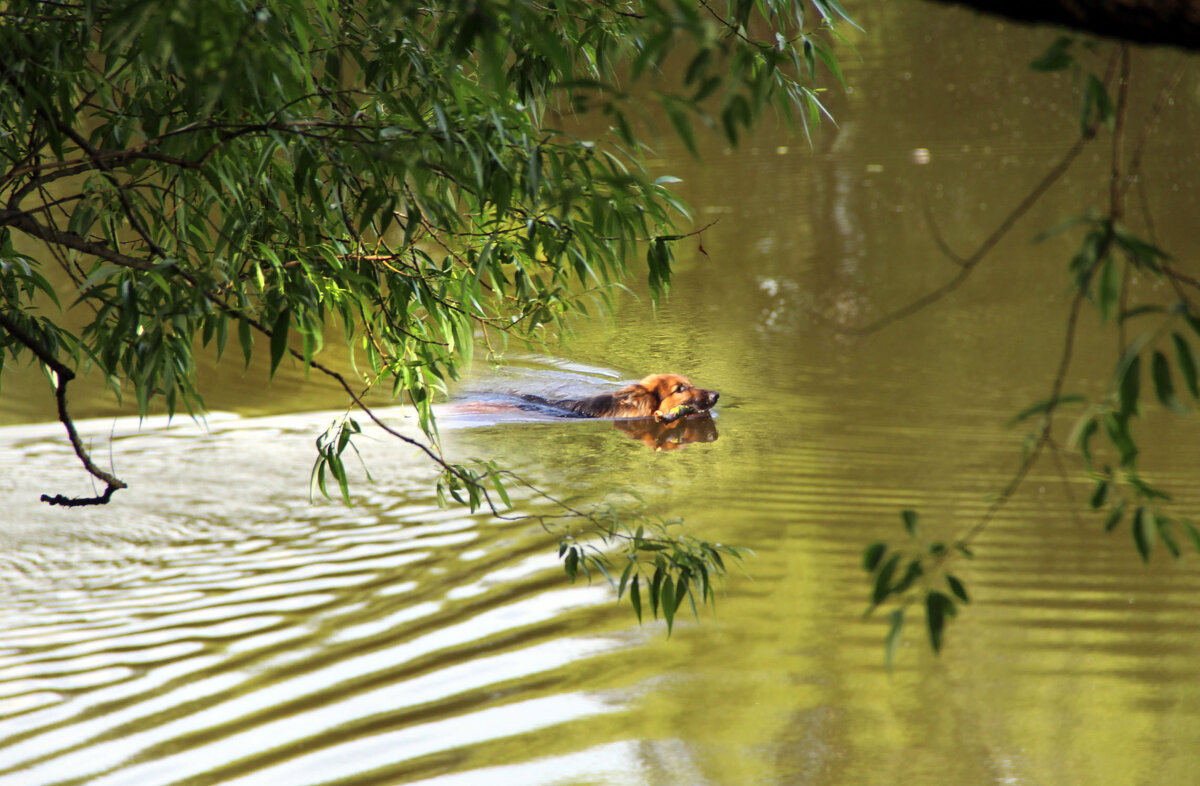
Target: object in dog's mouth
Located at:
point(673, 414)
point(663, 393)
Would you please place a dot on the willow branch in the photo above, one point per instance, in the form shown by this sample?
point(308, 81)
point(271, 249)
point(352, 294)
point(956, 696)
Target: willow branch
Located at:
point(62, 376)
point(967, 265)
point(1115, 210)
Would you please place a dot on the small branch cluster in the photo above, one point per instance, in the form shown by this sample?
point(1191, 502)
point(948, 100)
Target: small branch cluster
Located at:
point(1101, 273)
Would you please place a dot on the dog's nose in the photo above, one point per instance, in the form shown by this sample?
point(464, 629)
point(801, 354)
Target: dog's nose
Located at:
point(715, 396)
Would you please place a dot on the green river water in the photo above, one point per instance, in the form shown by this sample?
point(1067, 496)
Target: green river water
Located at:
point(211, 626)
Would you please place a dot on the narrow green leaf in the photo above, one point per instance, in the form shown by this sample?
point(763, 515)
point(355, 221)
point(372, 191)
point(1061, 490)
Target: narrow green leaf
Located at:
point(1187, 364)
point(1114, 516)
point(913, 572)
point(682, 588)
point(1144, 254)
point(1141, 310)
point(1099, 494)
point(682, 125)
point(624, 578)
point(895, 629)
point(1046, 405)
point(883, 579)
point(872, 554)
point(1081, 436)
point(1143, 532)
point(1063, 226)
point(957, 588)
point(1130, 386)
point(246, 340)
point(1162, 525)
point(635, 596)
point(1108, 288)
point(667, 601)
point(1117, 429)
point(1192, 320)
point(1096, 94)
point(1164, 388)
point(655, 588)
point(910, 522)
point(1145, 489)
point(1192, 533)
point(338, 470)
point(1056, 57)
point(935, 618)
point(279, 338)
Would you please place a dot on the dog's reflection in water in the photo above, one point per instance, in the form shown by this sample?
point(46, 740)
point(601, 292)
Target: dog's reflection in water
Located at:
point(670, 436)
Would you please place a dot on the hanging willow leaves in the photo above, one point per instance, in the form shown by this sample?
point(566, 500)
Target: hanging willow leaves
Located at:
point(380, 175)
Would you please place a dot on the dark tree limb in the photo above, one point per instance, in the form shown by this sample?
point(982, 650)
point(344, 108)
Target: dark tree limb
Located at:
point(1116, 209)
point(62, 376)
point(1162, 22)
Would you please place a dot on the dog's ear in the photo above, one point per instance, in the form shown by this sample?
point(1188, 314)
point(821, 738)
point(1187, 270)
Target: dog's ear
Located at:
point(637, 400)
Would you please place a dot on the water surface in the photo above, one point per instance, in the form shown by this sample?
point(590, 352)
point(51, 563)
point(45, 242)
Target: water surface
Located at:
point(213, 626)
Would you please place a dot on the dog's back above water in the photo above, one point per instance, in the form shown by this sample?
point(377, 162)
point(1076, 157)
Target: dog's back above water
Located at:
point(654, 394)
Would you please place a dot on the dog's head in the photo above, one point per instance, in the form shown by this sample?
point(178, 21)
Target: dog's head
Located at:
point(671, 390)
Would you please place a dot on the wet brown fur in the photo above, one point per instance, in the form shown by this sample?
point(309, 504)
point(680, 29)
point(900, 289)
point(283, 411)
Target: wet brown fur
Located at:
point(655, 393)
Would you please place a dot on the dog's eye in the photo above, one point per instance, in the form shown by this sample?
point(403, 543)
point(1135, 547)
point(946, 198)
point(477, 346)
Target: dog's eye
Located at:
point(680, 388)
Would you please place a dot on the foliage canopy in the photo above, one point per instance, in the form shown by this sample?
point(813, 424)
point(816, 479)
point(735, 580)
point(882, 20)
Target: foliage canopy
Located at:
point(388, 174)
